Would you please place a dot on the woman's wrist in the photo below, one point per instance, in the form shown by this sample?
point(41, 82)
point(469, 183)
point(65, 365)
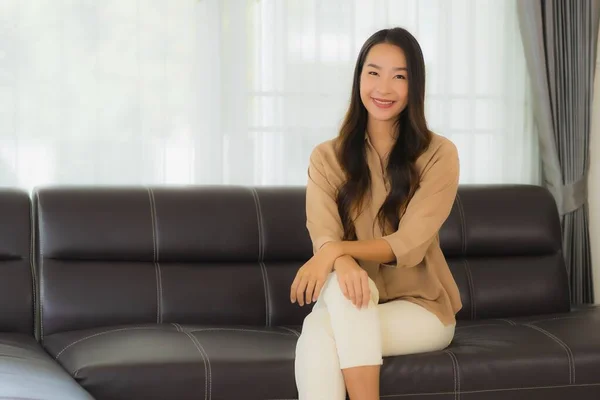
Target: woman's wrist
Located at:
point(335, 250)
point(342, 261)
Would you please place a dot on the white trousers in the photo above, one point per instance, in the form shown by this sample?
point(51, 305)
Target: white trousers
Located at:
point(337, 335)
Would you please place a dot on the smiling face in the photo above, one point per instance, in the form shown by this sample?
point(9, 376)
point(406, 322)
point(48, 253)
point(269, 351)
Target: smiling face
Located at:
point(384, 82)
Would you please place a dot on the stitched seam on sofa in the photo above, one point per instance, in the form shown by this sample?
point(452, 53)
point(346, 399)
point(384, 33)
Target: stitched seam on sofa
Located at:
point(156, 238)
point(513, 323)
point(153, 230)
point(259, 219)
point(32, 266)
point(156, 272)
point(263, 272)
point(552, 319)
point(268, 294)
point(132, 328)
point(457, 374)
point(178, 327)
point(258, 223)
point(295, 332)
point(160, 289)
point(570, 356)
point(454, 374)
point(491, 390)
point(471, 288)
point(207, 369)
point(478, 326)
point(463, 225)
point(41, 317)
point(240, 330)
point(157, 276)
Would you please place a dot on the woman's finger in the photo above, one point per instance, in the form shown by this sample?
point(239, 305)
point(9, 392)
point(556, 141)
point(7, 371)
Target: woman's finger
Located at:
point(294, 287)
point(318, 288)
point(357, 290)
point(351, 291)
point(310, 287)
point(295, 284)
point(300, 290)
point(366, 290)
point(343, 287)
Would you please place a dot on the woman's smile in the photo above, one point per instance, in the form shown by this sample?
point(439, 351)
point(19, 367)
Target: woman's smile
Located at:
point(381, 103)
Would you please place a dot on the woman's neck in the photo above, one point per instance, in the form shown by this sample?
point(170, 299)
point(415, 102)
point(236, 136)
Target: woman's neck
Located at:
point(382, 136)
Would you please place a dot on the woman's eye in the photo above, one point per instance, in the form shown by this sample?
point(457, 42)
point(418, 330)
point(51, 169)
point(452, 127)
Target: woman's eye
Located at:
point(400, 77)
point(372, 73)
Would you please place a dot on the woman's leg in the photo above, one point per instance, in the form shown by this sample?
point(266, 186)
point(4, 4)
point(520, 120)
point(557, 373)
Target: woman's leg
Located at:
point(357, 335)
point(407, 328)
point(338, 336)
point(317, 367)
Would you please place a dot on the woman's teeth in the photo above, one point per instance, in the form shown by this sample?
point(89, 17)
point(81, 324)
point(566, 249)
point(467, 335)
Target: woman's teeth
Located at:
point(383, 103)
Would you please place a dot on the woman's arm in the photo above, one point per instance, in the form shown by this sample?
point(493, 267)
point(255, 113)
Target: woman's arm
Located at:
point(322, 218)
point(367, 250)
point(325, 228)
point(426, 212)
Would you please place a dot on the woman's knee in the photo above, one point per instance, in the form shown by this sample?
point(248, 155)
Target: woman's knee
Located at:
point(316, 325)
point(332, 292)
point(316, 336)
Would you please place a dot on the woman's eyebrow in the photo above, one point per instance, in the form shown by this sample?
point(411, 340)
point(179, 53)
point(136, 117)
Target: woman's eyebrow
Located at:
point(395, 68)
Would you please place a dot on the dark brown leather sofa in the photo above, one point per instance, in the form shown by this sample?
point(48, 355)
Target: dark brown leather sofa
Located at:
point(183, 293)
point(26, 370)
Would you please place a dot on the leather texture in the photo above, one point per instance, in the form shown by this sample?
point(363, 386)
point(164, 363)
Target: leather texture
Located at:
point(28, 372)
point(16, 279)
point(183, 293)
point(173, 361)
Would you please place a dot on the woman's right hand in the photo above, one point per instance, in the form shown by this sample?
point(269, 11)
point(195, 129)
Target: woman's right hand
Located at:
point(353, 281)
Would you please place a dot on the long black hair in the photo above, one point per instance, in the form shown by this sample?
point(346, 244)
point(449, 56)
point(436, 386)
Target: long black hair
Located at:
point(412, 139)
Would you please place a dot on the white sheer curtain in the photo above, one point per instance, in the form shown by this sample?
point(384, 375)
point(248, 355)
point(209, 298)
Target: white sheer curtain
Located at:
point(239, 92)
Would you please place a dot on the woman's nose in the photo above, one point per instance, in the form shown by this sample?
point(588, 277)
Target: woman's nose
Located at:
point(383, 86)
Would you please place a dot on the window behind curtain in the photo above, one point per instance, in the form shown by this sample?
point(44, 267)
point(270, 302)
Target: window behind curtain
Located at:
point(239, 92)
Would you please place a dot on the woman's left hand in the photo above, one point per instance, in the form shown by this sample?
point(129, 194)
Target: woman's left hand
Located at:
point(311, 277)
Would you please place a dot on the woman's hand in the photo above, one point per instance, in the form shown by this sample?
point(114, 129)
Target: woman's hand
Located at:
point(353, 281)
point(311, 277)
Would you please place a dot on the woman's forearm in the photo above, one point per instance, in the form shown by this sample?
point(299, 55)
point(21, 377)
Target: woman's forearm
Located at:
point(366, 250)
point(343, 260)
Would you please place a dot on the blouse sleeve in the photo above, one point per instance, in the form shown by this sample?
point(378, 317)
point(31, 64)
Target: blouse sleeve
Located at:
point(322, 218)
point(428, 209)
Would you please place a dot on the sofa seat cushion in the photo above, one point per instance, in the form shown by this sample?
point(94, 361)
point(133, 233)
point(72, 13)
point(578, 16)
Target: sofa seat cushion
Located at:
point(549, 356)
point(171, 361)
point(28, 372)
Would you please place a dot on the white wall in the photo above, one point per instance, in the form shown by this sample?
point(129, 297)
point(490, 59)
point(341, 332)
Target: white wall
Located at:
point(594, 182)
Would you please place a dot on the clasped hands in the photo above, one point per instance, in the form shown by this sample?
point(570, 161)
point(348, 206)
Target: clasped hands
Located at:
point(310, 278)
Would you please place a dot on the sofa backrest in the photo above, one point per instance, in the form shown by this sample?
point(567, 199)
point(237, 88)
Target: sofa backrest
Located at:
point(16, 279)
point(504, 247)
point(211, 255)
point(227, 255)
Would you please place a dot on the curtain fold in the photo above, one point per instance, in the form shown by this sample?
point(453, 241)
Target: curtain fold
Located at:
point(559, 38)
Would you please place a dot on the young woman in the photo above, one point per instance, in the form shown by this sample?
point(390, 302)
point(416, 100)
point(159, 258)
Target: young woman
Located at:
point(376, 198)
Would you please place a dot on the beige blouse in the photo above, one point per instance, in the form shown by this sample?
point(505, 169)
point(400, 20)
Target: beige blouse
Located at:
point(420, 273)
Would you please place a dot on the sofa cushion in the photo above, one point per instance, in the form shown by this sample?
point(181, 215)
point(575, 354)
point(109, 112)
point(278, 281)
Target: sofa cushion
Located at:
point(28, 372)
point(519, 358)
point(171, 361)
point(16, 268)
point(487, 359)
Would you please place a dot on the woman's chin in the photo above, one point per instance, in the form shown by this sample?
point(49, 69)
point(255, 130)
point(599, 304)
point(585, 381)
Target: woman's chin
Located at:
point(383, 115)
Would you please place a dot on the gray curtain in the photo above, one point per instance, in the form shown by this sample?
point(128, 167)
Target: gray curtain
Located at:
point(559, 38)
